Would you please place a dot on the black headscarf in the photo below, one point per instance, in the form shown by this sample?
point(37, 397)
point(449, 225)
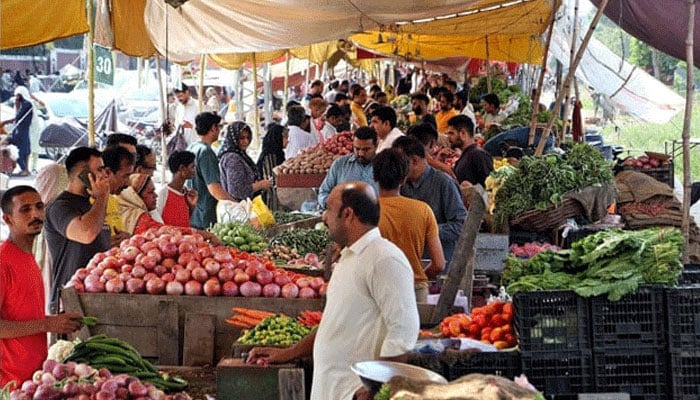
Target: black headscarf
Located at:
point(230, 145)
point(272, 145)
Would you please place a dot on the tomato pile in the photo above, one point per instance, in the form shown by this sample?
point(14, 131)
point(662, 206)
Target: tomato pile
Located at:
point(172, 261)
point(490, 324)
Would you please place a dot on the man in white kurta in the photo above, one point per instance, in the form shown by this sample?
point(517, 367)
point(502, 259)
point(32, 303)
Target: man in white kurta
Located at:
point(370, 311)
point(185, 113)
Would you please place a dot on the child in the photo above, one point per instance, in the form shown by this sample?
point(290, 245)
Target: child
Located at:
point(175, 201)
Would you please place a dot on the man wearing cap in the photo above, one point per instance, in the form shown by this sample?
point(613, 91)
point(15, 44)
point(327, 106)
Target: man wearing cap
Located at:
point(185, 113)
point(206, 180)
point(20, 134)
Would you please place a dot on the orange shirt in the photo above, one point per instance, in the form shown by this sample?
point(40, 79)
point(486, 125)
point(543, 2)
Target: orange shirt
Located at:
point(22, 291)
point(442, 117)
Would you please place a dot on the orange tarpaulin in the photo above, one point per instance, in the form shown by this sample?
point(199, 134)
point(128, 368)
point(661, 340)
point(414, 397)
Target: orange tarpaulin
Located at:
point(28, 23)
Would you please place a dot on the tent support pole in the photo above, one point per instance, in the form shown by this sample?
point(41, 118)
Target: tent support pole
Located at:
point(488, 65)
point(567, 79)
point(540, 83)
point(202, 71)
point(567, 84)
point(256, 113)
point(163, 117)
point(91, 75)
point(286, 82)
point(308, 72)
point(689, 89)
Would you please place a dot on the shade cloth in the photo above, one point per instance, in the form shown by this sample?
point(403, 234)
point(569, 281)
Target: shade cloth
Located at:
point(27, 23)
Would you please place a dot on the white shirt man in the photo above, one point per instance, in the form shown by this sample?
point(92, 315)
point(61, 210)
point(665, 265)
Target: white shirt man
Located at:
point(185, 113)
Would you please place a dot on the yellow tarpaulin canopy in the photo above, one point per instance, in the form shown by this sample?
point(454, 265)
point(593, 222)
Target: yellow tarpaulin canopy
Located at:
point(129, 27)
point(28, 23)
point(492, 29)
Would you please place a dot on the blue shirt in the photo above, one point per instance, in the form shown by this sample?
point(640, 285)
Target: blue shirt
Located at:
point(344, 169)
point(442, 194)
point(206, 172)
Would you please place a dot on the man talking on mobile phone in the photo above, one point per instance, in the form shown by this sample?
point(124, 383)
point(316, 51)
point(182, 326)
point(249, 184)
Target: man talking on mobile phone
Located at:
point(75, 225)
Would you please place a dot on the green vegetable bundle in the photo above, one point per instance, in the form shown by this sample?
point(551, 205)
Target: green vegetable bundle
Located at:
point(239, 235)
point(543, 181)
point(119, 357)
point(304, 240)
point(613, 262)
point(283, 217)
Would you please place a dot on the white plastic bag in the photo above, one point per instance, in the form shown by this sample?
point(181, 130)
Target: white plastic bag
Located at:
point(227, 210)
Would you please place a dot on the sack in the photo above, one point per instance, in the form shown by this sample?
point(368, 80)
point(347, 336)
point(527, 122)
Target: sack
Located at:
point(265, 216)
point(177, 142)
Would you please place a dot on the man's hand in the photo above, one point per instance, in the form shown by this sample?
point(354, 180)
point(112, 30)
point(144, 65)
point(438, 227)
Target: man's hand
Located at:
point(191, 196)
point(63, 323)
point(99, 186)
point(266, 355)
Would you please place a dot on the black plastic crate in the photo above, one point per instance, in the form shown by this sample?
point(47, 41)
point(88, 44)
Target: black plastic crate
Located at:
point(551, 321)
point(683, 318)
point(685, 375)
point(690, 274)
point(502, 363)
point(641, 373)
point(635, 321)
point(560, 373)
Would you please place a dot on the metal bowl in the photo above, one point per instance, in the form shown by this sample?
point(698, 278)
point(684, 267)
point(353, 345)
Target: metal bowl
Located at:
point(374, 373)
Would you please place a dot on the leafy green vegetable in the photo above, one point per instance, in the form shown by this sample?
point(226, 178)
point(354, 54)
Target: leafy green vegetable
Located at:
point(283, 217)
point(304, 240)
point(87, 321)
point(384, 393)
point(610, 262)
point(543, 181)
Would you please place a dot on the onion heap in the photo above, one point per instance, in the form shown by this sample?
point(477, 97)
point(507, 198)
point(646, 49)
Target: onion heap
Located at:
point(167, 260)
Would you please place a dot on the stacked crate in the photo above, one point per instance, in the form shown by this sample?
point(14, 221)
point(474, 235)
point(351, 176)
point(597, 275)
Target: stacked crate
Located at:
point(629, 344)
point(684, 341)
point(554, 334)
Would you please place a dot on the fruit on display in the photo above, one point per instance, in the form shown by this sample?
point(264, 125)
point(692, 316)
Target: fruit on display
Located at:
point(490, 324)
point(310, 318)
point(73, 380)
point(530, 249)
point(239, 235)
point(118, 356)
point(281, 254)
point(318, 159)
point(166, 261)
point(279, 330)
point(649, 161)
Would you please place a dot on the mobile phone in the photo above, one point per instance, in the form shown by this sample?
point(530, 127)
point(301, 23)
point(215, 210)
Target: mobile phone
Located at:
point(84, 177)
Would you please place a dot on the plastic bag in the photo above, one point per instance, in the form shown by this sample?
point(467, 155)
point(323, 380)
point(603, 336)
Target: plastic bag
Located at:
point(264, 215)
point(227, 210)
point(178, 142)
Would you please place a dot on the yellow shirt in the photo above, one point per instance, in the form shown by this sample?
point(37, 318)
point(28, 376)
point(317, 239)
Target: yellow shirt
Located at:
point(358, 115)
point(408, 223)
point(113, 216)
point(442, 117)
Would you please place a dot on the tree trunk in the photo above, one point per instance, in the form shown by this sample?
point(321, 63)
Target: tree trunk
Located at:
point(655, 63)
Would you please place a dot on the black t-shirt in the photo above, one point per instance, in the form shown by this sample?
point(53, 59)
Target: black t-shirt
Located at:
point(474, 165)
point(68, 255)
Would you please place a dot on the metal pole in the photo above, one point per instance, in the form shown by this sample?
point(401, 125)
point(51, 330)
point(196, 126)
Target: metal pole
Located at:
point(256, 125)
point(488, 65)
point(286, 82)
point(91, 75)
point(164, 118)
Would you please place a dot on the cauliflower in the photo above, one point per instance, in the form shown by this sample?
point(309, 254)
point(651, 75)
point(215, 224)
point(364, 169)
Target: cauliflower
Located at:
point(60, 350)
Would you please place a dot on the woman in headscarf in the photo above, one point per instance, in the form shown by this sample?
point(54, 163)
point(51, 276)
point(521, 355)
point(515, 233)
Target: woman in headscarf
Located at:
point(20, 134)
point(239, 174)
point(136, 204)
point(273, 145)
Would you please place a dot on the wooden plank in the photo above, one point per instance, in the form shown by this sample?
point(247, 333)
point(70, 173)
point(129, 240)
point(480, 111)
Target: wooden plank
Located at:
point(291, 384)
point(168, 332)
point(462, 263)
point(71, 303)
point(197, 345)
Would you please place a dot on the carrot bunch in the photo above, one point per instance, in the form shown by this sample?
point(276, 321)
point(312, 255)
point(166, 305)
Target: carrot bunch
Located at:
point(310, 318)
point(247, 317)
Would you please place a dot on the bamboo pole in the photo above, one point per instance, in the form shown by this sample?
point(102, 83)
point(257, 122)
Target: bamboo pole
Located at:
point(540, 83)
point(689, 93)
point(256, 111)
point(488, 65)
point(200, 90)
point(567, 79)
point(91, 75)
point(163, 117)
point(567, 84)
point(286, 82)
